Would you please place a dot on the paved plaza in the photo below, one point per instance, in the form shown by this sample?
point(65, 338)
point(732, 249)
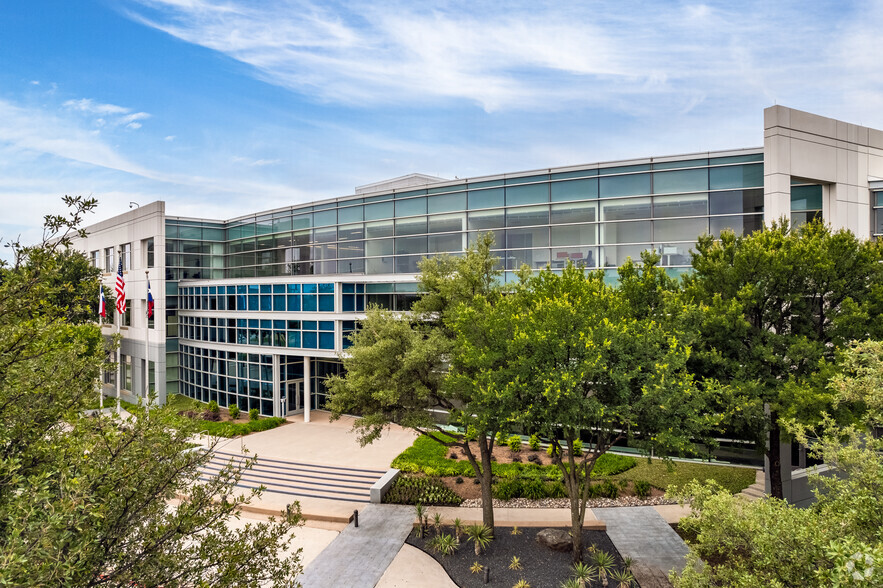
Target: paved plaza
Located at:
point(321, 465)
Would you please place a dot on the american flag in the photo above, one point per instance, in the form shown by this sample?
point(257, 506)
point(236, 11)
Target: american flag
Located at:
point(121, 290)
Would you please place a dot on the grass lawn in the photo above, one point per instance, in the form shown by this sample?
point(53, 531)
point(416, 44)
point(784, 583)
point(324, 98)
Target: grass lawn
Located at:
point(658, 474)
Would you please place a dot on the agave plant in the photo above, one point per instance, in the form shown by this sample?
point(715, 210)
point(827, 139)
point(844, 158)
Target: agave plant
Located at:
point(515, 564)
point(605, 564)
point(522, 583)
point(623, 578)
point(570, 583)
point(584, 573)
point(480, 535)
point(476, 568)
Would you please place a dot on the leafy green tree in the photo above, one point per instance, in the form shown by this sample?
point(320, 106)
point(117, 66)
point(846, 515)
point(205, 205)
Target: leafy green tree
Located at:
point(401, 366)
point(777, 305)
point(838, 541)
point(584, 360)
point(89, 501)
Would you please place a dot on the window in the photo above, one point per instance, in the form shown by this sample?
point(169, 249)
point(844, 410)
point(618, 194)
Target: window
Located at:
point(147, 248)
point(806, 204)
point(126, 372)
point(126, 253)
point(95, 258)
point(108, 260)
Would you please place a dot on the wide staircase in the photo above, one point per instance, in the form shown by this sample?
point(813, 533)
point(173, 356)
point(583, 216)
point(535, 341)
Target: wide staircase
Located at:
point(756, 490)
point(302, 480)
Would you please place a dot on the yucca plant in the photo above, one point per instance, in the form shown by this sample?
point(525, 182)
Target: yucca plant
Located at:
point(443, 543)
point(457, 524)
point(570, 583)
point(516, 530)
point(522, 583)
point(515, 564)
point(420, 513)
point(476, 568)
point(605, 564)
point(584, 573)
point(623, 578)
point(436, 522)
point(480, 535)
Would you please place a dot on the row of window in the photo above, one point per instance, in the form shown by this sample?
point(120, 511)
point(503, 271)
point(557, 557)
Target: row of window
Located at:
point(125, 251)
point(577, 185)
point(294, 334)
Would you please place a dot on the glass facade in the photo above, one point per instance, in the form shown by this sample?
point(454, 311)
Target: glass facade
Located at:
point(227, 317)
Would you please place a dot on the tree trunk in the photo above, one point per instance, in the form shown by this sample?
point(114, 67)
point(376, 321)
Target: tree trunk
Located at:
point(774, 456)
point(487, 477)
point(576, 525)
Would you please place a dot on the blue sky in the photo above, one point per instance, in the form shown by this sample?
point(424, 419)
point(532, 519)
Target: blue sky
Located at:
point(227, 107)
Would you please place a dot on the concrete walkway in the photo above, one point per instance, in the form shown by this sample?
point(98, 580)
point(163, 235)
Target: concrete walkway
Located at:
point(641, 533)
point(359, 557)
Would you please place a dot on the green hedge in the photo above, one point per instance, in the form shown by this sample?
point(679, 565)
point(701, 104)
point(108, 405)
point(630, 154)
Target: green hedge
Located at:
point(430, 457)
point(420, 490)
point(228, 429)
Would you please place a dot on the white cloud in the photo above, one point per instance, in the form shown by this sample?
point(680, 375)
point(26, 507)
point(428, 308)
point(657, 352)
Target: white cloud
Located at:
point(107, 113)
point(170, 138)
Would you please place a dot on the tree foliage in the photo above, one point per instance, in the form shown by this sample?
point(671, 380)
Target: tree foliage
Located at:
point(402, 365)
point(836, 542)
point(95, 501)
point(776, 306)
point(585, 360)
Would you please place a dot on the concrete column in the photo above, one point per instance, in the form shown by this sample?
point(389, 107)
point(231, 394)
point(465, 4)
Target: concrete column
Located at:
point(308, 389)
point(277, 394)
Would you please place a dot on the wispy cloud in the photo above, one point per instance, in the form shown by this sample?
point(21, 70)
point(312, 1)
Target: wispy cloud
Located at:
point(528, 56)
point(107, 113)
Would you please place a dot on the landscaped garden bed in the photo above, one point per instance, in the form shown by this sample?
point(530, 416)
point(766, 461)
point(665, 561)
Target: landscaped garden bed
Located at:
point(526, 478)
point(535, 565)
point(222, 422)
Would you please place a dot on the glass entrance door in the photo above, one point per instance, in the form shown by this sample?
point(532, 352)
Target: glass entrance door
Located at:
point(294, 394)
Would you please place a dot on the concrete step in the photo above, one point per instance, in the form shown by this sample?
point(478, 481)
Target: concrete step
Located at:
point(754, 491)
point(299, 479)
point(649, 577)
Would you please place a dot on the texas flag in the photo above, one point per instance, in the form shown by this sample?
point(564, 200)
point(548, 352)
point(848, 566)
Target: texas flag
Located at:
point(149, 301)
point(102, 304)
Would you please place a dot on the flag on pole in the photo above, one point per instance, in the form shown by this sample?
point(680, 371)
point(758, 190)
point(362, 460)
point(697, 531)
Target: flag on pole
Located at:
point(121, 290)
point(102, 304)
point(149, 301)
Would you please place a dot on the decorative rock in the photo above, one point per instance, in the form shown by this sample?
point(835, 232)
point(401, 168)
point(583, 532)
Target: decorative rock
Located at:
point(555, 539)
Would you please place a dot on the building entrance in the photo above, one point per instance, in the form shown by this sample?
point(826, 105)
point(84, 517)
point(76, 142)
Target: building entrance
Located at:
point(293, 396)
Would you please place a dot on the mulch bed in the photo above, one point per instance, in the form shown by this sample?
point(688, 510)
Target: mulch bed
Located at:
point(541, 567)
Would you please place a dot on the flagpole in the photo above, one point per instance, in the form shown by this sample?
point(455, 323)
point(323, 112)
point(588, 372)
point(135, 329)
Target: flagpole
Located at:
point(118, 320)
point(100, 327)
point(147, 345)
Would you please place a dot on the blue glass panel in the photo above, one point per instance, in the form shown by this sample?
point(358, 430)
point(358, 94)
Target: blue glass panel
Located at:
point(309, 303)
point(240, 303)
point(265, 288)
point(240, 289)
point(278, 324)
point(310, 339)
point(631, 185)
point(360, 288)
point(278, 288)
point(737, 176)
point(360, 303)
point(326, 340)
point(241, 323)
point(265, 323)
point(294, 325)
point(309, 325)
point(326, 325)
point(309, 288)
point(348, 288)
point(266, 302)
point(528, 194)
point(252, 323)
point(293, 303)
point(492, 198)
point(326, 303)
point(252, 302)
point(212, 290)
point(326, 288)
point(688, 180)
point(279, 302)
point(349, 303)
point(575, 190)
point(294, 338)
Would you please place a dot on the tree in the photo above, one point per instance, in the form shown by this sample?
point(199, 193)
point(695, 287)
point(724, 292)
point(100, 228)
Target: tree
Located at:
point(838, 540)
point(98, 501)
point(777, 305)
point(400, 366)
point(586, 361)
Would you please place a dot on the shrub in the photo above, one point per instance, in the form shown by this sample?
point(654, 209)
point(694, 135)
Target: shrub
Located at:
point(514, 443)
point(501, 438)
point(551, 450)
point(508, 489)
point(533, 489)
point(642, 488)
point(253, 414)
point(213, 407)
point(609, 489)
point(555, 490)
point(444, 544)
point(611, 464)
point(233, 409)
point(595, 491)
point(229, 429)
point(421, 490)
point(534, 443)
point(577, 448)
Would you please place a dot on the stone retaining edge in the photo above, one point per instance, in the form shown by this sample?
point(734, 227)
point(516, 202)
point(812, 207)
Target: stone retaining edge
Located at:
point(380, 487)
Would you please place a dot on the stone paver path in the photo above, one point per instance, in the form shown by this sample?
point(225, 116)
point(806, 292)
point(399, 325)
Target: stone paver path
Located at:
point(641, 533)
point(358, 558)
